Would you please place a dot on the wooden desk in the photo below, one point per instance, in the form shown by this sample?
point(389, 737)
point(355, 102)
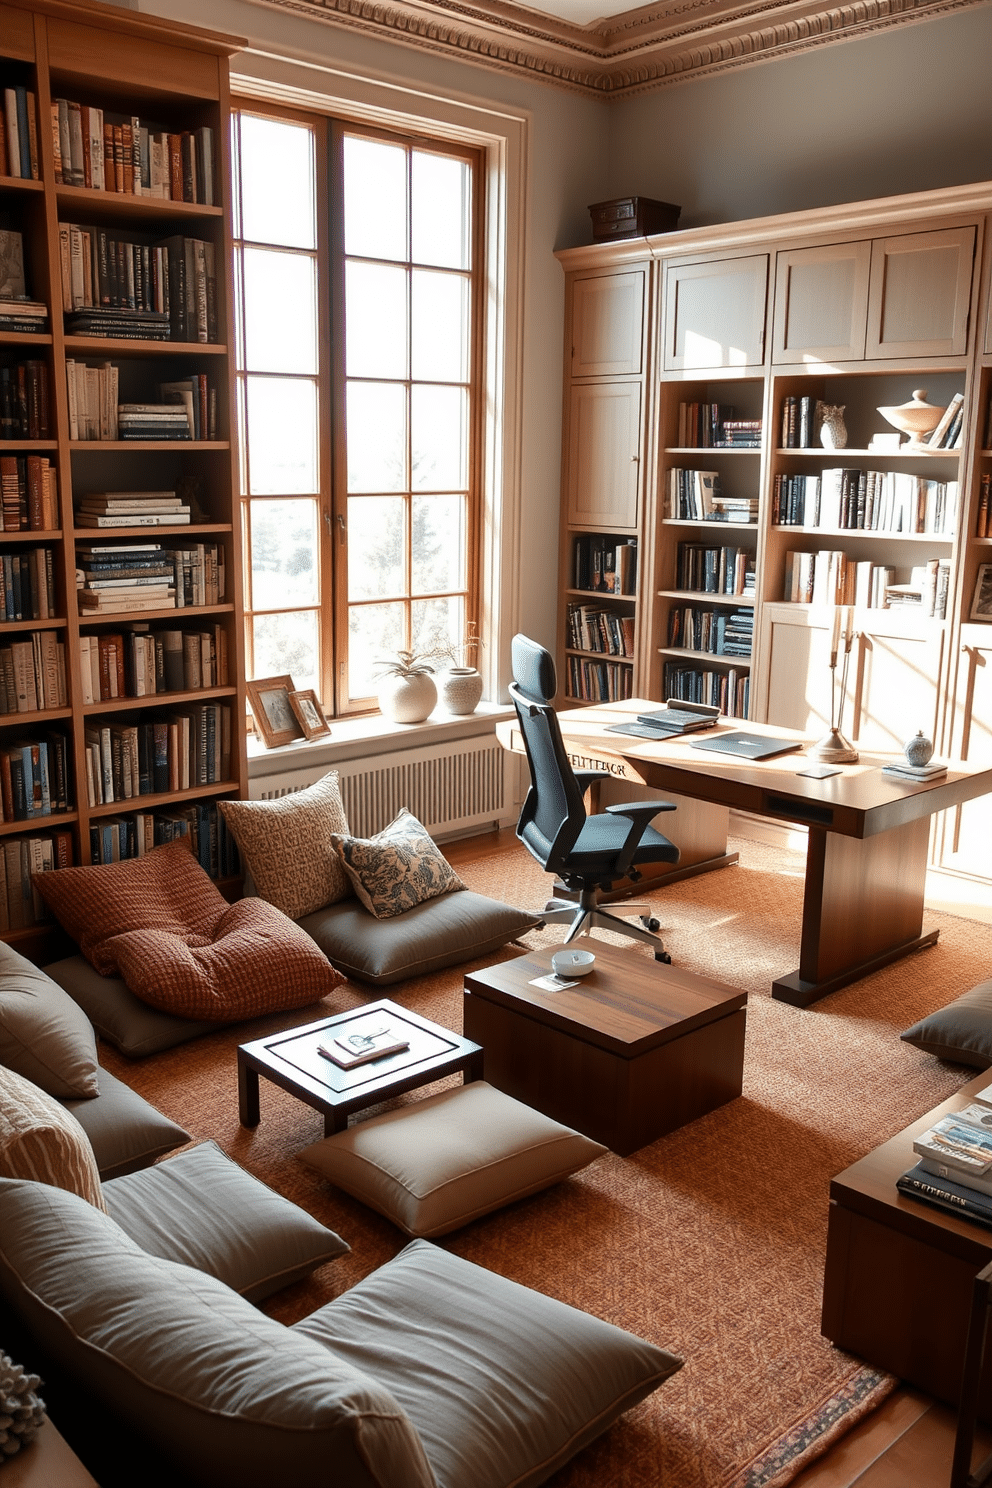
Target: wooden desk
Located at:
point(869, 833)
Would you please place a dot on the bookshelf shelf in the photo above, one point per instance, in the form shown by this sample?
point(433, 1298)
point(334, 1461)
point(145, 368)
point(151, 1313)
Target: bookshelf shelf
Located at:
point(40, 715)
point(23, 338)
point(704, 526)
point(157, 700)
point(36, 824)
point(693, 596)
point(844, 456)
point(11, 627)
point(148, 534)
point(173, 446)
point(119, 207)
point(154, 801)
point(717, 657)
point(133, 349)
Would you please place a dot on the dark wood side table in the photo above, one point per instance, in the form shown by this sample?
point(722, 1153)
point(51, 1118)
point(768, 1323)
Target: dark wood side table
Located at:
point(631, 1052)
point(897, 1286)
point(291, 1061)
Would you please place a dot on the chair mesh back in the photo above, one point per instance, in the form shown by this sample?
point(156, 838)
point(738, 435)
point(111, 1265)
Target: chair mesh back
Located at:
point(555, 798)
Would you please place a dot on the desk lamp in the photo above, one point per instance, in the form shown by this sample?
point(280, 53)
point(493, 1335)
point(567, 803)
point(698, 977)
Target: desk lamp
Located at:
point(833, 747)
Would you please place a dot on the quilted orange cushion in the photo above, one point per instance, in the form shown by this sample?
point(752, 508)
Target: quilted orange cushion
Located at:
point(165, 890)
point(257, 962)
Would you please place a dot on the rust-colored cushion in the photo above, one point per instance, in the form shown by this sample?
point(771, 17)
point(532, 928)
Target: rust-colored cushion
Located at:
point(257, 962)
point(166, 890)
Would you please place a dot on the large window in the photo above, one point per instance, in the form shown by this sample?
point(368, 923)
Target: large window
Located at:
point(356, 264)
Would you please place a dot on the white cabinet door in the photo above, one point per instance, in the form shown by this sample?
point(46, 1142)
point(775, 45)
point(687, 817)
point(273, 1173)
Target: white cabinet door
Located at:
point(920, 293)
point(715, 313)
point(608, 324)
point(821, 303)
point(604, 456)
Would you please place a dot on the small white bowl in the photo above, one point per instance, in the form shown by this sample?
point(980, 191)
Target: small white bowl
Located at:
point(572, 963)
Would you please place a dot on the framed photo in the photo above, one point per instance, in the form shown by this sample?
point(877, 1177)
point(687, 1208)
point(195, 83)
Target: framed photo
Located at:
point(981, 604)
point(309, 714)
point(274, 717)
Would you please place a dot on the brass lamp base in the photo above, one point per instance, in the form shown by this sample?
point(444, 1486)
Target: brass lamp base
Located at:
point(835, 749)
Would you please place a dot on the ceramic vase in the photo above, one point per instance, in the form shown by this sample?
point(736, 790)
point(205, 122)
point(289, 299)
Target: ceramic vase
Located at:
point(833, 430)
point(918, 750)
point(460, 689)
point(407, 699)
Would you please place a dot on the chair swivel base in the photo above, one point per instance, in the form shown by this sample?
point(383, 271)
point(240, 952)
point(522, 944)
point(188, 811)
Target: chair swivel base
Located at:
point(585, 913)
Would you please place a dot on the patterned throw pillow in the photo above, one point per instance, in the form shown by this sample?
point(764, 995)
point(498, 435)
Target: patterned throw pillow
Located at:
point(288, 846)
point(42, 1141)
point(397, 868)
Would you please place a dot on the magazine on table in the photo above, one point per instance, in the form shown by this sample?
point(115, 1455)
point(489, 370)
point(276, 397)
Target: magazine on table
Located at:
point(363, 1040)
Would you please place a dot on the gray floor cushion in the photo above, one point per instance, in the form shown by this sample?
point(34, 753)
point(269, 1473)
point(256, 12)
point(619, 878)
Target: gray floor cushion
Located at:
point(120, 1017)
point(125, 1131)
point(440, 932)
point(502, 1383)
point(44, 1033)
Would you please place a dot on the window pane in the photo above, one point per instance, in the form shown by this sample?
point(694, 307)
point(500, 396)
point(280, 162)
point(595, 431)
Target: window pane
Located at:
point(440, 211)
point(282, 436)
point(374, 199)
point(375, 631)
point(375, 320)
point(277, 182)
point(437, 622)
point(280, 311)
point(440, 327)
point(376, 547)
point(283, 554)
point(376, 437)
point(438, 540)
point(288, 643)
point(439, 438)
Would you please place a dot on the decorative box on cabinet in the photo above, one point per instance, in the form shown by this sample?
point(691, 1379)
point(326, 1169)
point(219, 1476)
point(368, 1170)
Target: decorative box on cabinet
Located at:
point(715, 313)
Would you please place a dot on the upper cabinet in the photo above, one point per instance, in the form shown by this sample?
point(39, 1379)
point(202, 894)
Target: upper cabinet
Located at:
point(608, 324)
point(715, 313)
point(821, 303)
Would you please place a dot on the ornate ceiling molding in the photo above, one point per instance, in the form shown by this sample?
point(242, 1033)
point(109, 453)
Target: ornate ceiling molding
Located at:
point(635, 52)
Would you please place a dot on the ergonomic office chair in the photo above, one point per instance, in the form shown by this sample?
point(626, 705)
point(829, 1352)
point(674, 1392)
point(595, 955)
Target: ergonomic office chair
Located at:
point(587, 853)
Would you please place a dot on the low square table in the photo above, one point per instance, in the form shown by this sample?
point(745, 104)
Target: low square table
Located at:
point(634, 1050)
point(291, 1061)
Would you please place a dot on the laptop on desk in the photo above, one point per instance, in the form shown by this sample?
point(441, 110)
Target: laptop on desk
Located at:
point(747, 746)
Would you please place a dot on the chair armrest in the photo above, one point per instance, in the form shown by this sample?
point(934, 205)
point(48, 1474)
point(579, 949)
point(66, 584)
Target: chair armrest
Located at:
point(586, 778)
point(635, 809)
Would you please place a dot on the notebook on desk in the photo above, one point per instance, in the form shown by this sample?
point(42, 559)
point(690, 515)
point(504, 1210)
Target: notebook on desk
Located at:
point(746, 746)
point(669, 722)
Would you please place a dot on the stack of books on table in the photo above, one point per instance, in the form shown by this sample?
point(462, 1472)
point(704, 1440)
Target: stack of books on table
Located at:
point(132, 509)
point(902, 770)
point(137, 576)
point(955, 1167)
point(152, 421)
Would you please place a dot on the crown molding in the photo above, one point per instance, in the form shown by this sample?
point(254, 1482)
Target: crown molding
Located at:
point(636, 52)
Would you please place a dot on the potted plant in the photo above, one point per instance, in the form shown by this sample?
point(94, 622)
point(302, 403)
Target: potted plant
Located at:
point(460, 684)
point(406, 687)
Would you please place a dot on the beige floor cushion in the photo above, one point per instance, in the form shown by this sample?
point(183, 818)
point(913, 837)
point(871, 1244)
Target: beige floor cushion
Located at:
point(434, 1165)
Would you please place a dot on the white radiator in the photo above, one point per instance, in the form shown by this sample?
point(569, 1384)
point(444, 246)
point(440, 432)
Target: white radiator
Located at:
point(450, 788)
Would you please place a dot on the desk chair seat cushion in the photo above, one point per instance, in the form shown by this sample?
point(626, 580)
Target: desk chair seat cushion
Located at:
point(502, 1384)
point(960, 1032)
point(436, 1164)
point(601, 839)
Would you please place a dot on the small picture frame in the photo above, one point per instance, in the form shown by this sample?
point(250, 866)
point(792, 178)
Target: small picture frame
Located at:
point(274, 717)
point(981, 604)
point(309, 714)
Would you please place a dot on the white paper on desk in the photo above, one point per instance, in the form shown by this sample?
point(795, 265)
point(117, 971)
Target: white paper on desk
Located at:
point(552, 983)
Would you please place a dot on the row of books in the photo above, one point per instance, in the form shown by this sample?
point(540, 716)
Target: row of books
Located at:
point(605, 564)
point(20, 859)
point(589, 628)
point(32, 673)
point(829, 577)
point(24, 403)
point(947, 434)
point(697, 495)
point(716, 426)
point(599, 681)
point(29, 494)
point(27, 585)
point(724, 632)
point(727, 690)
point(34, 777)
point(19, 134)
point(185, 409)
point(176, 751)
point(983, 521)
point(954, 1171)
point(120, 153)
point(114, 577)
point(712, 570)
point(851, 499)
point(131, 836)
point(118, 286)
point(139, 662)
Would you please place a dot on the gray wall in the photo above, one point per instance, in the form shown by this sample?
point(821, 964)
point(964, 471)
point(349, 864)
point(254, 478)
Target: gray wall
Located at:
point(908, 109)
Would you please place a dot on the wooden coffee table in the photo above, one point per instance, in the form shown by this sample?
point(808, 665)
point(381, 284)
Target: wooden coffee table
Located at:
point(631, 1052)
point(291, 1061)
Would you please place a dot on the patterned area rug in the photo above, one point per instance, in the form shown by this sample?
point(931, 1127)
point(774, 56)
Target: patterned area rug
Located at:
point(710, 1241)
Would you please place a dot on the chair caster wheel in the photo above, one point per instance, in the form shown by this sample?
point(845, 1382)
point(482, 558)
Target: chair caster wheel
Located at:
point(650, 923)
point(663, 957)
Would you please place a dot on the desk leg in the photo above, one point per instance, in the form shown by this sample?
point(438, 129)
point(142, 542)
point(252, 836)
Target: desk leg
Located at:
point(863, 908)
point(248, 1107)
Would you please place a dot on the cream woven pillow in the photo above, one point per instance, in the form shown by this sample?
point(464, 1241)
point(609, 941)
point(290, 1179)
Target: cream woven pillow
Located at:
point(397, 868)
point(288, 848)
point(42, 1141)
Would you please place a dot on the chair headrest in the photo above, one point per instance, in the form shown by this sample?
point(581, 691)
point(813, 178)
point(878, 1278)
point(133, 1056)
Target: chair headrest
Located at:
point(533, 669)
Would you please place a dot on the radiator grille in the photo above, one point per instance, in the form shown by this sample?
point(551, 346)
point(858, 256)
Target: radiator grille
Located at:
point(449, 788)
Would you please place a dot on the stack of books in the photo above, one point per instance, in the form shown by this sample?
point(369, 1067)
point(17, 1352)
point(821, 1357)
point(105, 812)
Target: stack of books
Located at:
point(935, 770)
point(152, 421)
point(20, 315)
point(132, 509)
point(138, 576)
point(955, 1167)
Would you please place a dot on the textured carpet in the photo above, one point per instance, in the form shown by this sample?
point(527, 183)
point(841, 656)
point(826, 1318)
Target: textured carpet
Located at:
point(710, 1241)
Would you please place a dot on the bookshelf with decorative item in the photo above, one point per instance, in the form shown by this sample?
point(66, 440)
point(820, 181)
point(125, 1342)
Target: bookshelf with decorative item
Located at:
point(137, 648)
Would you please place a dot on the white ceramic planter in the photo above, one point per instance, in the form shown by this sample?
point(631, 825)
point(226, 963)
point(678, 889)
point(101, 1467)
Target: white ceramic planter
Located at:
point(460, 689)
point(408, 699)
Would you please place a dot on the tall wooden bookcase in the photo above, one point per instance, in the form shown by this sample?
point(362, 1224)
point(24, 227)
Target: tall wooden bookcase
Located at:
point(859, 306)
point(127, 65)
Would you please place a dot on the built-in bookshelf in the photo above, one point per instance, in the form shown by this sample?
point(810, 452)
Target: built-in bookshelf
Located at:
point(121, 633)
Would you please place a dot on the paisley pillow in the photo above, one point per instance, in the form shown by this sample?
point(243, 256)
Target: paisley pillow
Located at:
point(397, 868)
